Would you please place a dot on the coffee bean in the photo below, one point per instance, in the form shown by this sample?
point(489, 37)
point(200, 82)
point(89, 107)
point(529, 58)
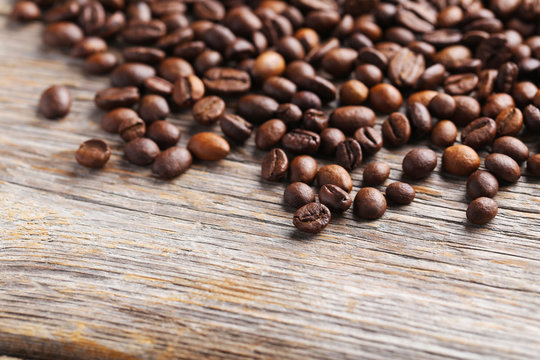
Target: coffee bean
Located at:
point(524, 93)
point(208, 146)
point(55, 102)
point(270, 133)
point(299, 69)
point(187, 90)
point(291, 48)
point(294, 15)
point(111, 120)
point(460, 160)
point(531, 115)
point(509, 121)
point(242, 21)
point(368, 74)
point(503, 167)
point(315, 120)
point(335, 198)
point(353, 92)
point(208, 110)
point(303, 168)
point(143, 32)
point(111, 98)
point(396, 129)
point(93, 153)
point(299, 141)
point(479, 133)
point(420, 120)
point(512, 147)
point(100, 63)
point(330, 139)
point(376, 173)
point(482, 210)
point(143, 54)
point(306, 100)
point(275, 165)
point(494, 51)
point(62, 34)
point(400, 193)
point(308, 38)
point(131, 128)
point(482, 184)
point(235, 127)
point(114, 24)
point(339, 62)
point(486, 84)
point(153, 108)
point(451, 55)
point(370, 55)
point(158, 86)
point(209, 10)
point(312, 218)
point(298, 194)
point(322, 21)
point(131, 74)
point(533, 165)
point(279, 88)
point(432, 77)
point(218, 37)
point(423, 97)
point(350, 118)
point(385, 98)
point(68, 10)
point(172, 162)
point(335, 175)
point(227, 81)
point(92, 17)
point(141, 151)
point(25, 11)
point(497, 103)
point(460, 84)
point(419, 163)
point(400, 35)
point(290, 114)
point(256, 108)
point(405, 68)
point(164, 133)
point(507, 77)
point(442, 106)
point(190, 50)
point(467, 109)
point(173, 68)
point(369, 139)
point(315, 55)
point(369, 204)
point(207, 60)
point(318, 85)
point(349, 154)
point(267, 64)
point(444, 133)
point(88, 46)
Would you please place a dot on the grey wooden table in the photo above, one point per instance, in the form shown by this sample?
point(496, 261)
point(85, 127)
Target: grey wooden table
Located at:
point(115, 264)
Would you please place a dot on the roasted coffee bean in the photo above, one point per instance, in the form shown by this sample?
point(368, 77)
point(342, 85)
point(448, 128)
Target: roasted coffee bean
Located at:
point(509, 121)
point(503, 167)
point(460, 160)
point(100, 63)
point(256, 108)
point(308, 38)
point(299, 141)
point(240, 49)
point(208, 146)
point(353, 92)
point(218, 37)
point(144, 32)
point(139, 11)
point(482, 183)
point(68, 10)
point(93, 153)
point(291, 48)
point(396, 129)
point(187, 90)
point(315, 120)
point(482, 210)
point(62, 34)
point(400, 193)
point(350, 118)
point(299, 69)
point(114, 24)
point(419, 163)
point(349, 154)
point(533, 165)
point(312, 218)
point(466, 66)
point(531, 117)
point(315, 55)
point(335, 175)
point(275, 165)
point(399, 35)
point(306, 100)
point(370, 55)
point(460, 84)
point(405, 68)
point(88, 46)
point(267, 64)
point(497, 103)
point(111, 98)
point(443, 37)
point(322, 21)
point(173, 68)
point(467, 109)
point(207, 60)
point(369, 139)
point(303, 168)
point(444, 133)
point(323, 88)
point(486, 84)
point(164, 133)
point(131, 128)
point(275, 27)
point(298, 194)
point(25, 11)
point(279, 88)
point(190, 50)
point(111, 120)
point(422, 47)
point(270, 133)
point(153, 108)
point(524, 93)
point(92, 17)
point(494, 51)
point(172, 162)
point(55, 102)
point(227, 81)
point(330, 139)
point(209, 10)
point(420, 120)
point(131, 74)
point(141, 151)
point(335, 198)
point(442, 106)
point(242, 21)
point(385, 98)
point(451, 55)
point(376, 173)
point(368, 74)
point(339, 62)
point(512, 147)
point(507, 77)
point(479, 133)
point(208, 110)
point(423, 97)
point(432, 77)
point(235, 127)
point(369, 204)
point(158, 86)
point(142, 54)
point(290, 114)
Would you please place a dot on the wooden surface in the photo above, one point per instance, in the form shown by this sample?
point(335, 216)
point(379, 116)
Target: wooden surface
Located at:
point(114, 264)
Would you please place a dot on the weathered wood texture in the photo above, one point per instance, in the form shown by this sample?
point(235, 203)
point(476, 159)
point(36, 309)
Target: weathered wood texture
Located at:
point(114, 264)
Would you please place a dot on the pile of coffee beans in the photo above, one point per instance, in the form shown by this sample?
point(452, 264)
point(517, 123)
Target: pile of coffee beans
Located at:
point(309, 78)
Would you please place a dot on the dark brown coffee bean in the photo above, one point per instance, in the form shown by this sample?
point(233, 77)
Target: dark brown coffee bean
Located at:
point(466, 66)
point(322, 21)
point(25, 11)
point(92, 17)
point(64, 11)
point(315, 120)
point(339, 62)
point(405, 68)
point(139, 11)
point(164, 133)
point(507, 77)
point(335, 175)
point(460, 160)
point(432, 77)
point(242, 21)
point(172, 162)
point(370, 55)
point(294, 15)
point(208, 146)
point(531, 116)
point(368, 74)
point(270, 133)
point(479, 133)
point(423, 97)
point(400, 35)
point(218, 37)
point(385, 98)
point(451, 55)
point(422, 47)
point(100, 63)
point(444, 133)
point(165, 7)
point(206, 60)
point(306, 100)
point(131, 128)
point(369, 204)
point(299, 141)
point(420, 120)
point(207, 110)
point(482, 210)
point(275, 165)
point(227, 81)
point(298, 194)
point(141, 151)
point(482, 183)
point(303, 168)
point(330, 139)
point(497, 103)
point(509, 121)
point(268, 64)
point(533, 165)
point(114, 24)
point(494, 51)
point(467, 109)
point(275, 27)
point(235, 127)
point(312, 218)
point(318, 85)
point(353, 92)
point(349, 154)
point(376, 173)
point(209, 10)
point(173, 68)
point(350, 118)
point(396, 129)
point(256, 108)
point(111, 120)
point(486, 84)
point(290, 114)
point(131, 74)
point(460, 84)
point(158, 86)
point(142, 54)
point(524, 93)
point(144, 32)
point(536, 99)
point(88, 46)
point(503, 167)
point(187, 90)
point(55, 102)
point(93, 153)
point(299, 69)
point(111, 98)
point(190, 50)
point(512, 147)
point(419, 163)
point(153, 108)
point(279, 88)
point(308, 38)
point(335, 198)
point(199, 27)
point(443, 37)
point(418, 17)
point(291, 48)
point(442, 106)
point(62, 34)
point(400, 193)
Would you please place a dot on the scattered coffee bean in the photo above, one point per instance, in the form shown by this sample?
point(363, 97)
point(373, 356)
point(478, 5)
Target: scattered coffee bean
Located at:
point(330, 139)
point(482, 210)
point(406, 67)
point(509, 122)
point(235, 127)
point(279, 88)
point(164, 133)
point(112, 98)
point(400, 193)
point(369, 203)
point(290, 114)
point(131, 74)
point(370, 140)
point(62, 34)
point(336, 175)
point(88, 46)
point(158, 86)
point(335, 198)
point(369, 74)
point(396, 129)
point(524, 93)
point(479, 133)
point(141, 151)
point(100, 63)
point(350, 118)
point(25, 11)
point(208, 110)
point(460, 160)
point(442, 106)
point(270, 133)
point(385, 98)
point(131, 128)
point(503, 167)
point(349, 154)
point(306, 100)
point(299, 141)
point(208, 146)
point(187, 90)
point(312, 218)
point(172, 162)
point(512, 147)
point(226, 81)
point(353, 92)
point(298, 194)
point(419, 163)
point(256, 108)
point(315, 120)
point(269, 63)
point(153, 108)
point(533, 165)
point(55, 102)
point(420, 120)
point(497, 103)
point(444, 133)
point(303, 168)
point(93, 153)
point(376, 173)
point(275, 165)
point(111, 120)
point(482, 183)
point(531, 116)
point(467, 109)
point(460, 84)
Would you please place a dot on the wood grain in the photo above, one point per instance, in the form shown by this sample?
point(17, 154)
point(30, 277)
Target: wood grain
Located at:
point(115, 264)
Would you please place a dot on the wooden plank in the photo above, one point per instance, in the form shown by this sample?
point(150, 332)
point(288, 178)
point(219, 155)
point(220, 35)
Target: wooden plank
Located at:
point(116, 264)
